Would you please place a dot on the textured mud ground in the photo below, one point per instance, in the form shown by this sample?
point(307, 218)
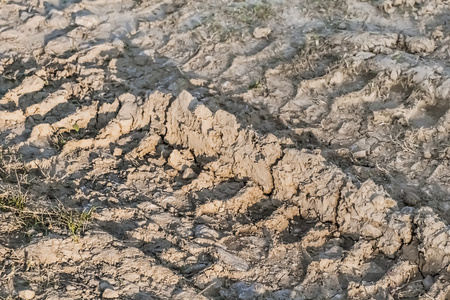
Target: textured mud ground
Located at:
point(232, 149)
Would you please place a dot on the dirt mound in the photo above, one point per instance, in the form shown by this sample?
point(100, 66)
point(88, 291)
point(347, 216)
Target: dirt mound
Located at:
point(274, 150)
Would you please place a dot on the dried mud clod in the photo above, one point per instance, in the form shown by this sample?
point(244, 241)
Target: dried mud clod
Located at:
point(274, 150)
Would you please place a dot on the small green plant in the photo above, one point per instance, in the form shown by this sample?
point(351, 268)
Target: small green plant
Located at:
point(12, 199)
point(261, 11)
point(41, 219)
point(397, 56)
point(254, 85)
point(219, 32)
point(74, 221)
point(58, 141)
point(61, 138)
point(252, 14)
point(76, 128)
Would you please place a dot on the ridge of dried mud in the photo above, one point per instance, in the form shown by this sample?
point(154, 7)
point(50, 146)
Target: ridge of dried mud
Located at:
point(274, 150)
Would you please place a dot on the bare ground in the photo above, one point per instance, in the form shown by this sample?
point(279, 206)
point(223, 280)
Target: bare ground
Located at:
point(227, 149)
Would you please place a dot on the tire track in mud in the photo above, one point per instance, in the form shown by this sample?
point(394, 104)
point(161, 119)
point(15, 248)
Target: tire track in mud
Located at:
point(380, 220)
point(190, 192)
point(387, 227)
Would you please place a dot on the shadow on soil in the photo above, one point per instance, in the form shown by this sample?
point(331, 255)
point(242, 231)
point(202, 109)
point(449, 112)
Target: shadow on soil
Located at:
point(247, 115)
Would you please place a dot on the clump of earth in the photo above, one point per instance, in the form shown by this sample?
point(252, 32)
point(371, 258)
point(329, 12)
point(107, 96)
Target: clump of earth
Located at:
point(225, 149)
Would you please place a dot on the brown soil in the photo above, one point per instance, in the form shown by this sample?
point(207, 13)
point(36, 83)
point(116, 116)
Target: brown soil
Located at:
point(231, 149)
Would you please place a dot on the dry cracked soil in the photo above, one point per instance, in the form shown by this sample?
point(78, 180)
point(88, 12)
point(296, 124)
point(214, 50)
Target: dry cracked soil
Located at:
point(224, 149)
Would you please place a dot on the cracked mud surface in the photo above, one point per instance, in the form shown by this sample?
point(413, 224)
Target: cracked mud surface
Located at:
point(232, 149)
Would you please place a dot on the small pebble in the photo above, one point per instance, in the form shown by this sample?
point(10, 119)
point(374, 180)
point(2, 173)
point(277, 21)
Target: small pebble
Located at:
point(261, 33)
point(360, 154)
point(189, 174)
point(342, 26)
point(427, 282)
point(117, 152)
point(27, 294)
point(110, 294)
point(233, 260)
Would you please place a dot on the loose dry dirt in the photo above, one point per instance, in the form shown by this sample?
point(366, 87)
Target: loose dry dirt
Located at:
point(232, 149)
